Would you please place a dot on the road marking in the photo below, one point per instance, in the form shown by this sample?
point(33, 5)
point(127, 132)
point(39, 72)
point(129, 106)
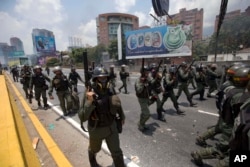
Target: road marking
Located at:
point(209, 113)
point(53, 148)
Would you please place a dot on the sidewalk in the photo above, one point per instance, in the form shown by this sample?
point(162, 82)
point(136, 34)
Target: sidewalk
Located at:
point(72, 143)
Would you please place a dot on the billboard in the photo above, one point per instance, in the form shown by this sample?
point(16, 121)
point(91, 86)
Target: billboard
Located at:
point(163, 41)
point(45, 44)
point(16, 54)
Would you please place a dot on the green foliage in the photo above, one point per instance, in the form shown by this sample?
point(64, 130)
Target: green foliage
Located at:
point(113, 49)
point(233, 33)
point(53, 62)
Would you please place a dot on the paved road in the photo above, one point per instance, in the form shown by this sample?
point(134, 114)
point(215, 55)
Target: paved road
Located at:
point(165, 144)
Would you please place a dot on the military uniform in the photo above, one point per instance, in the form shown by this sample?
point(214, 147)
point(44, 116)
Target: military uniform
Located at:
point(191, 78)
point(101, 113)
point(73, 79)
point(201, 83)
point(156, 89)
point(15, 73)
point(38, 80)
point(211, 79)
point(25, 75)
point(123, 76)
point(230, 110)
point(168, 84)
point(63, 90)
point(183, 77)
point(112, 76)
point(143, 90)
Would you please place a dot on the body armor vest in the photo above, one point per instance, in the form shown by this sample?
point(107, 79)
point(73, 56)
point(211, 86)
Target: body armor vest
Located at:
point(60, 83)
point(38, 80)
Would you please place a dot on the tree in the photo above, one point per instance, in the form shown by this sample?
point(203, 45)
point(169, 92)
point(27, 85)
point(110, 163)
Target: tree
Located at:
point(113, 49)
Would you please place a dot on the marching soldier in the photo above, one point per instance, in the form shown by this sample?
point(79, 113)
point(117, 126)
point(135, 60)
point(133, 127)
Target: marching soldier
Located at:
point(228, 114)
point(100, 107)
point(216, 129)
point(124, 75)
point(73, 78)
point(25, 75)
point(63, 90)
point(142, 89)
point(15, 73)
point(183, 76)
point(38, 80)
point(191, 77)
point(168, 84)
point(200, 79)
point(211, 79)
point(112, 76)
point(156, 89)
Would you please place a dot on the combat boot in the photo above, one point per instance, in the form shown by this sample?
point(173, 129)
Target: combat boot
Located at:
point(201, 141)
point(39, 104)
point(119, 161)
point(160, 115)
point(92, 160)
point(179, 112)
point(197, 158)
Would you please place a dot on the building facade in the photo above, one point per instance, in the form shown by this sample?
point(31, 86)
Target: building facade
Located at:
point(17, 43)
point(192, 17)
point(107, 25)
point(231, 15)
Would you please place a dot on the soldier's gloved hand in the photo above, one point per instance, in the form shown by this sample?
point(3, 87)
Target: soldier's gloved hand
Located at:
point(90, 96)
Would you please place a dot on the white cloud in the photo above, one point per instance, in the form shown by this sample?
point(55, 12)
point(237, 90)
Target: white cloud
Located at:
point(124, 5)
point(87, 32)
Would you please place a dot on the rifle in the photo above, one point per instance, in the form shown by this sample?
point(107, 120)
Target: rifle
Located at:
point(85, 64)
point(159, 65)
point(190, 65)
point(142, 67)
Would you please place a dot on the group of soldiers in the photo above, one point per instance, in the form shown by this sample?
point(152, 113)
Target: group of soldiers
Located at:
point(101, 106)
point(66, 87)
point(232, 127)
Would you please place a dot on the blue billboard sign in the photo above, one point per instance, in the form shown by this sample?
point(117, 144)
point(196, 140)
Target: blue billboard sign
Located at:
point(45, 44)
point(163, 41)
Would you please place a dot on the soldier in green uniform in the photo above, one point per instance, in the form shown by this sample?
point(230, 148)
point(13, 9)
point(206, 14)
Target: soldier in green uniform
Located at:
point(200, 81)
point(73, 78)
point(229, 112)
point(25, 75)
point(168, 83)
point(63, 90)
point(156, 89)
point(192, 77)
point(211, 79)
point(143, 90)
point(124, 75)
point(38, 80)
point(216, 129)
point(100, 107)
point(183, 76)
point(112, 76)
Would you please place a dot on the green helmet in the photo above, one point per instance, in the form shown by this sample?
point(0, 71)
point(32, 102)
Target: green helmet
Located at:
point(100, 72)
point(241, 77)
point(232, 70)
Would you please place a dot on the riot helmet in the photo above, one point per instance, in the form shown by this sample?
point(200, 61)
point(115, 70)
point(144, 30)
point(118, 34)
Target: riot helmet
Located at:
point(37, 68)
point(57, 68)
point(184, 64)
point(73, 69)
point(241, 77)
point(232, 70)
point(214, 66)
point(100, 72)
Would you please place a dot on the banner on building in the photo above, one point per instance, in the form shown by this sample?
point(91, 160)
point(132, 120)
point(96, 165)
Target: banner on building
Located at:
point(163, 41)
point(45, 44)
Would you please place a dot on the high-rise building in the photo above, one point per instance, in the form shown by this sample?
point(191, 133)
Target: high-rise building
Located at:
point(17, 43)
point(192, 17)
point(107, 25)
point(231, 15)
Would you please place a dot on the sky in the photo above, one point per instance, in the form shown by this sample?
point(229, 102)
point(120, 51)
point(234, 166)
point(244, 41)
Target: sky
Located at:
point(77, 18)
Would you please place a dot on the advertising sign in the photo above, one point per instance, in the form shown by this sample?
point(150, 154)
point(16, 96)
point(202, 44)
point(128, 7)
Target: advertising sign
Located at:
point(45, 44)
point(16, 54)
point(164, 41)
